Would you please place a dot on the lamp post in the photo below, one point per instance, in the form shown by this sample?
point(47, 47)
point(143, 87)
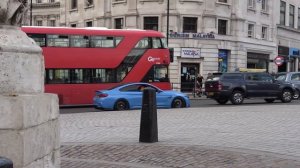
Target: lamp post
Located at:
point(30, 12)
point(168, 15)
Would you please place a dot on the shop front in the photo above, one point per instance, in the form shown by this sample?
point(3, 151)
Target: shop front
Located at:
point(258, 61)
point(190, 67)
point(283, 52)
point(294, 56)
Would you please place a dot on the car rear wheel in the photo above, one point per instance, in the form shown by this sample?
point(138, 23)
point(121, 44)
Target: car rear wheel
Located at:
point(286, 96)
point(178, 103)
point(237, 97)
point(269, 100)
point(121, 105)
point(222, 101)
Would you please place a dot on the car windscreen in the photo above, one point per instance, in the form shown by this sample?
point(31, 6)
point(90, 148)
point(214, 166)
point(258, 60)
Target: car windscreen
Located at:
point(280, 77)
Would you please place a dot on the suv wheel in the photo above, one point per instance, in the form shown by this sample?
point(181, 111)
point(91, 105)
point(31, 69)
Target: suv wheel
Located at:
point(269, 100)
point(296, 94)
point(286, 96)
point(222, 101)
point(237, 97)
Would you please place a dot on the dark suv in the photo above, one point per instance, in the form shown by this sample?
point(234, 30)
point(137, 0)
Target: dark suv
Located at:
point(238, 86)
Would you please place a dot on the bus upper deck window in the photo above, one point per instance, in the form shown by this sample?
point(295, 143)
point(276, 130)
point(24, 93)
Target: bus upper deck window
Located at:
point(40, 39)
point(164, 42)
point(156, 42)
point(144, 43)
point(79, 41)
point(58, 41)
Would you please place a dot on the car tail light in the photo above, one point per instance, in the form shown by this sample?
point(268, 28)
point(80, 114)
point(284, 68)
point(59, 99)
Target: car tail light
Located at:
point(220, 86)
point(102, 95)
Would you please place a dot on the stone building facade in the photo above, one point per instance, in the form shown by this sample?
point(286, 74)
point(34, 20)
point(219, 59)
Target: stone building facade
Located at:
point(206, 35)
point(44, 13)
point(288, 33)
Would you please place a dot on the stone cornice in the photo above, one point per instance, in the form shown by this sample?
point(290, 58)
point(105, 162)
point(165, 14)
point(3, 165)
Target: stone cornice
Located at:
point(46, 5)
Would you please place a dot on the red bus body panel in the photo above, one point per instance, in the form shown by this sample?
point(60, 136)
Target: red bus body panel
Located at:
point(82, 94)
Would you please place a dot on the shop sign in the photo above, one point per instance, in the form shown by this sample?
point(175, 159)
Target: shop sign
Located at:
point(190, 52)
point(294, 52)
point(201, 36)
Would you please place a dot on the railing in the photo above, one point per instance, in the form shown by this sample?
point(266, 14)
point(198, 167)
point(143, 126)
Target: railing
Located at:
point(189, 88)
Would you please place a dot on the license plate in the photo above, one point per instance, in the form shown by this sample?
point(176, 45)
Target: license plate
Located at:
point(210, 93)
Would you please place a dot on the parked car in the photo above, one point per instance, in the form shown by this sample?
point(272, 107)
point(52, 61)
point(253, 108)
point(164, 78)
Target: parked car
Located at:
point(240, 85)
point(129, 96)
point(292, 78)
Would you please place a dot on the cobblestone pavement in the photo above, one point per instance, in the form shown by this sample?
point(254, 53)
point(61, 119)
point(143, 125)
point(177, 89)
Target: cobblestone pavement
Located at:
point(214, 137)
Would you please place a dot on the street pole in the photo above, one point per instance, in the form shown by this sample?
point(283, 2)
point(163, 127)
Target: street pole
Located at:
point(168, 14)
point(30, 12)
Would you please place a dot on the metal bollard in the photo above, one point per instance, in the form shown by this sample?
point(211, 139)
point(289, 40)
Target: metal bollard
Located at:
point(148, 126)
point(5, 163)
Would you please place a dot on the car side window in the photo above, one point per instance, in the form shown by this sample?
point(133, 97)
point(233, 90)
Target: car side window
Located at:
point(253, 77)
point(266, 78)
point(131, 88)
point(295, 77)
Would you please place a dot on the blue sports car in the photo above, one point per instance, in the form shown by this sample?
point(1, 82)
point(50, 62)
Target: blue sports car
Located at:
point(129, 96)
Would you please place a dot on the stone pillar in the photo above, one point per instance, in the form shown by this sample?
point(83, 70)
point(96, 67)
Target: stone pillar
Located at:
point(29, 125)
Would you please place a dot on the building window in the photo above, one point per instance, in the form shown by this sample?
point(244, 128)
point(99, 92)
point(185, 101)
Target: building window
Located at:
point(89, 3)
point(223, 1)
point(89, 24)
point(151, 23)
point(190, 24)
point(52, 23)
point(222, 27)
point(119, 23)
point(73, 4)
point(51, 1)
point(292, 16)
point(264, 33)
point(251, 30)
point(298, 18)
point(39, 1)
point(74, 25)
point(251, 4)
point(39, 23)
point(282, 12)
point(264, 5)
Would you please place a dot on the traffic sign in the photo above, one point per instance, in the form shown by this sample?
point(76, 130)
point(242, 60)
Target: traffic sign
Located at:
point(279, 60)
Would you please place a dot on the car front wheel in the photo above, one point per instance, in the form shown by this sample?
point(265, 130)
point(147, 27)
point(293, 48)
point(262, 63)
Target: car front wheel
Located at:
point(237, 97)
point(286, 96)
point(178, 103)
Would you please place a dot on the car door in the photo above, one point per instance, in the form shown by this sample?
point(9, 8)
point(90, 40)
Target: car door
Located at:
point(133, 94)
point(253, 85)
point(269, 86)
point(295, 79)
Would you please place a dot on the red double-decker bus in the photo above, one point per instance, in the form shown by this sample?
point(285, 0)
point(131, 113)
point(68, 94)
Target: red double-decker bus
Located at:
point(79, 61)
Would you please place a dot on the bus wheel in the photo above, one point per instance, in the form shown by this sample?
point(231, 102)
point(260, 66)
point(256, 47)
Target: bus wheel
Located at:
point(178, 103)
point(121, 105)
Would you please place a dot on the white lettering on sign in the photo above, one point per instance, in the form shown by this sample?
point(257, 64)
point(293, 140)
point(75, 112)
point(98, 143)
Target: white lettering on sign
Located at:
point(152, 59)
point(190, 52)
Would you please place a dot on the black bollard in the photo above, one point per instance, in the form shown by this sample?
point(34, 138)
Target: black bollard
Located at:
point(5, 163)
point(148, 127)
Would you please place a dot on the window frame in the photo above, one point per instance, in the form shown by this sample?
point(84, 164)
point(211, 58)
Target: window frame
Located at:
point(220, 28)
point(291, 16)
point(190, 22)
point(264, 32)
point(74, 5)
point(150, 23)
point(282, 13)
point(251, 33)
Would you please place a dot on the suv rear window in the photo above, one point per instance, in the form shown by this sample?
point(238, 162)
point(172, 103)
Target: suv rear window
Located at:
point(232, 76)
point(213, 78)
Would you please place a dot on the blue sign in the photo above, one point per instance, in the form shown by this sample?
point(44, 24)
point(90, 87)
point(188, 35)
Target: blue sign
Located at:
point(223, 60)
point(294, 52)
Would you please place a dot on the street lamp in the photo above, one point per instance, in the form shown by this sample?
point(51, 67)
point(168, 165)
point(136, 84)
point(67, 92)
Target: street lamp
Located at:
point(168, 14)
point(30, 12)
